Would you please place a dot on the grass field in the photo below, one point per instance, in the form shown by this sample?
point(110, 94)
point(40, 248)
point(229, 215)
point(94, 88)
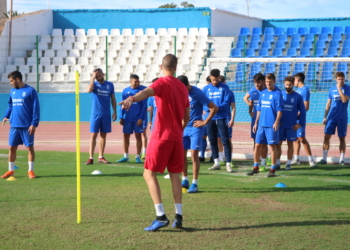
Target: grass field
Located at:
point(231, 211)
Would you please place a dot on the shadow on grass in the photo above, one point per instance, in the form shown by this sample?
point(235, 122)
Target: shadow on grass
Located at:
point(94, 176)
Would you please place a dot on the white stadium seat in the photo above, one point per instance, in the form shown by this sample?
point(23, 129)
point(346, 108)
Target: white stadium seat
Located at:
point(150, 32)
point(115, 46)
point(124, 77)
point(82, 39)
point(167, 38)
point(126, 32)
point(103, 32)
point(91, 46)
point(57, 39)
point(33, 54)
point(120, 61)
point(57, 61)
point(161, 53)
point(56, 46)
point(94, 61)
point(203, 32)
point(140, 74)
point(193, 31)
point(49, 53)
point(83, 61)
point(115, 32)
point(50, 69)
point(139, 46)
point(71, 60)
point(94, 39)
point(172, 32)
point(138, 32)
point(112, 53)
point(99, 53)
point(45, 78)
point(4, 78)
point(45, 39)
point(86, 53)
point(31, 78)
point(58, 77)
point(31, 61)
point(103, 40)
point(61, 53)
point(154, 39)
point(146, 60)
point(136, 53)
point(115, 68)
point(184, 60)
point(24, 69)
point(10, 68)
point(62, 69)
point(133, 61)
point(148, 53)
point(92, 32)
point(110, 60)
point(40, 68)
point(89, 68)
point(192, 76)
point(130, 39)
point(20, 61)
point(128, 68)
point(152, 46)
point(197, 60)
point(158, 60)
point(141, 68)
point(124, 53)
point(154, 68)
point(164, 46)
point(189, 45)
point(112, 76)
point(56, 32)
point(74, 53)
point(161, 31)
point(70, 77)
point(191, 38)
point(118, 39)
point(68, 32)
point(142, 39)
point(79, 45)
point(85, 77)
point(182, 32)
point(43, 46)
point(80, 32)
point(186, 53)
point(69, 39)
point(150, 76)
point(67, 46)
point(74, 68)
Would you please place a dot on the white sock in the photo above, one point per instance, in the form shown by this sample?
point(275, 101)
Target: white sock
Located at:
point(137, 156)
point(325, 153)
point(11, 166)
point(92, 158)
point(289, 162)
point(159, 209)
point(126, 155)
point(195, 181)
point(296, 157)
point(30, 165)
point(143, 150)
point(178, 208)
point(100, 157)
point(311, 160)
point(185, 178)
point(263, 162)
point(221, 156)
point(216, 161)
point(228, 164)
point(341, 157)
point(278, 161)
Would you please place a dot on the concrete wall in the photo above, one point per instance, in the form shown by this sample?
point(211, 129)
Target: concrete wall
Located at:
point(227, 23)
point(131, 19)
point(3, 8)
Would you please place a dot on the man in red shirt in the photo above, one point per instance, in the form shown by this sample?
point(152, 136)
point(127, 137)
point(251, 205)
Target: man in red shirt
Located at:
point(165, 148)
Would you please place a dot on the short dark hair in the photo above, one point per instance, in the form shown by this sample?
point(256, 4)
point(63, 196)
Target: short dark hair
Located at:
point(259, 77)
point(155, 79)
point(169, 62)
point(14, 75)
point(271, 76)
point(215, 72)
point(339, 74)
point(184, 80)
point(222, 79)
point(300, 76)
point(98, 70)
point(289, 79)
point(134, 76)
point(208, 79)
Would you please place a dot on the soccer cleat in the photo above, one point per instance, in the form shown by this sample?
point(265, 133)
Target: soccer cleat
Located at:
point(177, 222)
point(322, 162)
point(313, 165)
point(342, 163)
point(193, 188)
point(229, 168)
point(263, 168)
point(215, 167)
point(103, 160)
point(31, 175)
point(143, 156)
point(253, 171)
point(271, 174)
point(278, 166)
point(156, 224)
point(185, 184)
point(288, 167)
point(89, 162)
point(295, 162)
point(8, 174)
point(202, 159)
point(138, 161)
point(124, 159)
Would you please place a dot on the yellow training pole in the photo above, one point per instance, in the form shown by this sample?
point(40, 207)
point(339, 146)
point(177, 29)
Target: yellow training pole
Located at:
point(77, 131)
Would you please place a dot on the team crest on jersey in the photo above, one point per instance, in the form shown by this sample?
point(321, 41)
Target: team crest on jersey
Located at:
point(24, 94)
point(292, 100)
point(270, 97)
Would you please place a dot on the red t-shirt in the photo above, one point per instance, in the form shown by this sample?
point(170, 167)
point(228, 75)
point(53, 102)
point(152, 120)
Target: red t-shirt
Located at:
point(171, 97)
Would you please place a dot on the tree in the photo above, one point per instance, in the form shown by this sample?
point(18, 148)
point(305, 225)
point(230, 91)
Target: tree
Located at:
point(14, 13)
point(187, 5)
point(168, 5)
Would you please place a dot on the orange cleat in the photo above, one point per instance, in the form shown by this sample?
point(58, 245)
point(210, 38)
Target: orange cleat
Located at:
point(8, 174)
point(31, 175)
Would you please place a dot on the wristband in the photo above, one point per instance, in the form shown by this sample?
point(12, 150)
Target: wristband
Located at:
point(133, 98)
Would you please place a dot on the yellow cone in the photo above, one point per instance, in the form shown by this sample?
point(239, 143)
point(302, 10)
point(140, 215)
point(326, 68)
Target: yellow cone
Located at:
point(184, 190)
point(11, 178)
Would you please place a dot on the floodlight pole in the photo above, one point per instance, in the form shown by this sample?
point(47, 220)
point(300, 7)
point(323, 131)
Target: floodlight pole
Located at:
point(248, 6)
point(48, 4)
point(10, 28)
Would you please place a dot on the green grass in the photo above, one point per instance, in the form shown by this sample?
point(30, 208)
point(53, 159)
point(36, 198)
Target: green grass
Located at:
point(231, 211)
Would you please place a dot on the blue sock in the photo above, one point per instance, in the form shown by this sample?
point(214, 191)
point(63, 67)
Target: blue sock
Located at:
point(256, 164)
point(273, 167)
point(204, 147)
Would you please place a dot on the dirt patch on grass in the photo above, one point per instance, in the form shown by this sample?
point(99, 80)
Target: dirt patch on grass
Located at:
point(266, 203)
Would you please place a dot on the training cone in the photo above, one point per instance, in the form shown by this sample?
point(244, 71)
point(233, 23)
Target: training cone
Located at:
point(280, 185)
point(16, 167)
point(167, 176)
point(96, 172)
point(11, 178)
point(184, 190)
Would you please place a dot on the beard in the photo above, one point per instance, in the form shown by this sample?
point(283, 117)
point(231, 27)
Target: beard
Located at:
point(289, 90)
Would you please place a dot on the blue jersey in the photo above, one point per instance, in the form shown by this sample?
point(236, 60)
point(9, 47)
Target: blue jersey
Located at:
point(304, 92)
point(232, 100)
point(138, 110)
point(101, 98)
point(152, 103)
point(255, 96)
point(197, 100)
point(220, 96)
point(23, 107)
point(293, 104)
point(270, 103)
point(339, 110)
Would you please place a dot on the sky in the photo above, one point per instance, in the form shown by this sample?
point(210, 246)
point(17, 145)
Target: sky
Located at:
point(266, 9)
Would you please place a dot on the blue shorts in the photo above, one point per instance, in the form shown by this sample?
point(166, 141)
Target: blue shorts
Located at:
point(192, 138)
point(287, 134)
point(340, 124)
point(252, 134)
point(100, 123)
point(131, 127)
point(301, 131)
point(205, 130)
point(267, 136)
point(145, 123)
point(20, 136)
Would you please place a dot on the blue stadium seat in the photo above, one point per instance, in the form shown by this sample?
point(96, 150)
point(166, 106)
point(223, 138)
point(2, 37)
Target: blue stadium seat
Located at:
point(257, 31)
point(327, 66)
point(264, 52)
point(255, 38)
point(304, 52)
point(347, 30)
point(311, 74)
point(242, 38)
point(249, 52)
point(332, 52)
point(345, 52)
point(295, 44)
point(241, 67)
point(319, 52)
point(326, 76)
point(302, 31)
point(326, 30)
point(269, 31)
point(279, 31)
point(337, 29)
point(334, 44)
point(323, 37)
point(236, 53)
point(254, 45)
point(270, 67)
point(285, 66)
point(307, 44)
point(291, 52)
point(337, 37)
point(291, 31)
point(321, 44)
point(269, 37)
point(296, 37)
point(266, 45)
point(240, 76)
point(309, 37)
point(343, 67)
point(299, 67)
point(346, 44)
point(255, 67)
point(240, 45)
point(280, 45)
point(314, 30)
point(313, 66)
point(280, 77)
point(282, 38)
point(347, 37)
point(245, 31)
point(277, 52)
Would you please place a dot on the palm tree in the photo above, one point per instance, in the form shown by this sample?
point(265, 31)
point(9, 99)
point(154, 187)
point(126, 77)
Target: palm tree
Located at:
point(14, 13)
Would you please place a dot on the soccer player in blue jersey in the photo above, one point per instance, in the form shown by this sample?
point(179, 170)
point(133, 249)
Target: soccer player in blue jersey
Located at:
point(293, 118)
point(336, 116)
point(192, 136)
point(152, 108)
point(219, 94)
point(267, 123)
point(304, 91)
point(205, 132)
point(24, 114)
point(252, 100)
point(132, 119)
point(102, 93)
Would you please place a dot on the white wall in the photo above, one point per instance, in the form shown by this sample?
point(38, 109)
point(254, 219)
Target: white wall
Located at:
point(227, 23)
